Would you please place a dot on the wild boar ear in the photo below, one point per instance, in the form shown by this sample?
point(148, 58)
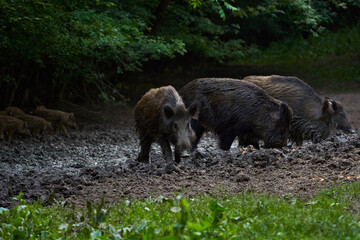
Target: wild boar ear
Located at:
point(168, 111)
point(71, 115)
point(194, 110)
point(334, 105)
point(327, 107)
point(26, 124)
point(10, 113)
point(286, 113)
point(275, 115)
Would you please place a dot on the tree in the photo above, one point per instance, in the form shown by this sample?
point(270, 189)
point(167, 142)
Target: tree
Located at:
point(79, 50)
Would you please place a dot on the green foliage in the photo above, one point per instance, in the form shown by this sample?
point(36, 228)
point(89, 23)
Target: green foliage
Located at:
point(327, 60)
point(83, 49)
point(330, 215)
point(294, 50)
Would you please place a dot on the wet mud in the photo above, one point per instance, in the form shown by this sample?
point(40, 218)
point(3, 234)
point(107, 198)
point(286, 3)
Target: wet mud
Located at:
point(98, 160)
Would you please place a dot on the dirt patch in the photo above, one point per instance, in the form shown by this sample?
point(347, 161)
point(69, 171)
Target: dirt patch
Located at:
point(99, 160)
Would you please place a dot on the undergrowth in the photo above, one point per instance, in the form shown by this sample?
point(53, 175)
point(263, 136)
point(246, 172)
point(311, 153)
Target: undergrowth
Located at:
point(330, 60)
point(330, 215)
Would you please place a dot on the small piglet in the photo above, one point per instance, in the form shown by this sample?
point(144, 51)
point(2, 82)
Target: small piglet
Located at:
point(14, 111)
point(12, 125)
point(57, 118)
point(37, 124)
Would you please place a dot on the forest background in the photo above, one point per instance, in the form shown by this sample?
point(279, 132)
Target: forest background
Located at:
point(92, 51)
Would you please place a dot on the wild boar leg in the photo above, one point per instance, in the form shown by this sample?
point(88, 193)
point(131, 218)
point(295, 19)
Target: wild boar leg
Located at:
point(199, 131)
point(166, 149)
point(177, 154)
point(226, 139)
point(299, 139)
point(63, 129)
point(145, 145)
point(36, 132)
point(10, 134)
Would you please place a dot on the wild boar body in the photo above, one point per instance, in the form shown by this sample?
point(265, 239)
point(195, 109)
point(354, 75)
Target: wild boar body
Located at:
point(160, 116)
point(231, 108)
point(12, 125)
point(14, 111)
point(312, 115)
point(37, 124)
point(57, 118)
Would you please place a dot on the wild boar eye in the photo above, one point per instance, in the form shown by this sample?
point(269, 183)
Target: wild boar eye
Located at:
point(188, 125)
point(176, 126)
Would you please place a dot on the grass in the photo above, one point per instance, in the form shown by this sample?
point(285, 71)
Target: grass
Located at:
point(330, 60)
point(330, 215)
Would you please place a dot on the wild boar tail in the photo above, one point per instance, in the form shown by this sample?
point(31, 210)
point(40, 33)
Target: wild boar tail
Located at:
point(286, 113)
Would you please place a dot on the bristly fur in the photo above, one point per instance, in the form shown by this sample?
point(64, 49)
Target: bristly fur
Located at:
point(312, 115)
point(232, 108)
point(160, 116)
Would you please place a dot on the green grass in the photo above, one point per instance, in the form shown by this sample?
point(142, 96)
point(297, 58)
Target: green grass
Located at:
point(333, 214)
point(330, 60)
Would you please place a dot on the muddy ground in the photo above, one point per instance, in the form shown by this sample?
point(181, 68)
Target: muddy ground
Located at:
point(99, 160)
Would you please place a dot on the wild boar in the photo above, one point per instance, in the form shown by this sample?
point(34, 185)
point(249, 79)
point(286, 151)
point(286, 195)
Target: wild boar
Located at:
point(12, 125)
point(313, 116)
point(14, 111)
point(160, 116)
point(232, 108)
point(37, 124)
point(57, 118)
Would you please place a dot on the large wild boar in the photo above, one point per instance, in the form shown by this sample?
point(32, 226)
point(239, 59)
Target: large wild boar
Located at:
point(161, 116)
point(12, 125)
point(232, 108)
point(14, 111)
point(37, 124)
point(313, 116)
point(58, 119)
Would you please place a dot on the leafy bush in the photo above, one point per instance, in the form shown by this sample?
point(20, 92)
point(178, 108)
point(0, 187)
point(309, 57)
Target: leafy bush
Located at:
point(80, 50)
point(327, 60)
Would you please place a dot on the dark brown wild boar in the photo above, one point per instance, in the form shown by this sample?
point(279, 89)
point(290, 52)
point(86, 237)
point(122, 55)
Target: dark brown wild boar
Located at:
point(14, 111)
point(37, 124)
point(313, 116)
point(57, 118)
point(161, 116)
point(232, 108)
point(12, 125)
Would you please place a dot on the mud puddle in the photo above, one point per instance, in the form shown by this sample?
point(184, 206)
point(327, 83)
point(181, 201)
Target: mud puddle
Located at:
point(98, 160)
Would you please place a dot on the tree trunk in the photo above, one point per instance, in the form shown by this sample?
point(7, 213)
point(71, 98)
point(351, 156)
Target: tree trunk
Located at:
point(160, 11)
point(12, 95)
